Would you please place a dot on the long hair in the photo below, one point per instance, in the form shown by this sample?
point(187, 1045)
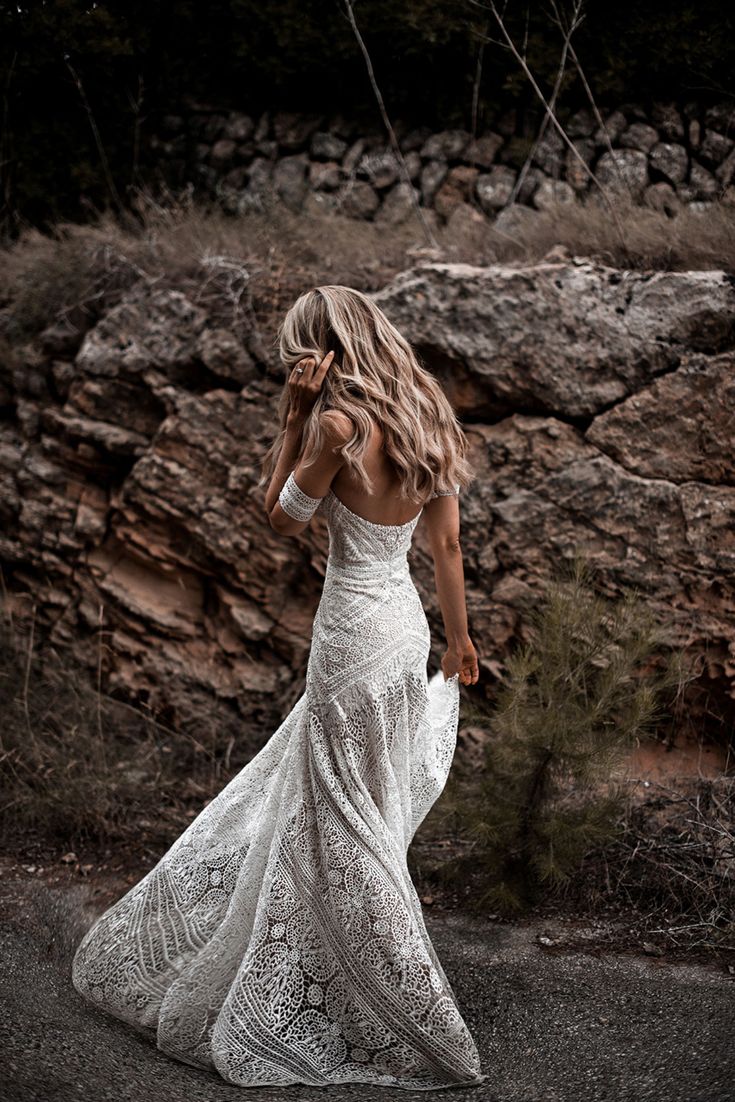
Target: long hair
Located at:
point(375, 376)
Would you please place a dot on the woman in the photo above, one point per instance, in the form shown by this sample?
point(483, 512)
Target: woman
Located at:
point(280, 939)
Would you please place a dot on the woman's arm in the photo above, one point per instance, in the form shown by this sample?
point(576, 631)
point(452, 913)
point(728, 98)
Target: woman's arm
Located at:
point(304, 386)
point(441, 518)
point(313, 481)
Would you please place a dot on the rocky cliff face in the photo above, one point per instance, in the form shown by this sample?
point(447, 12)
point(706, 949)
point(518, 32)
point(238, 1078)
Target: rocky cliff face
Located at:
point(600, 407)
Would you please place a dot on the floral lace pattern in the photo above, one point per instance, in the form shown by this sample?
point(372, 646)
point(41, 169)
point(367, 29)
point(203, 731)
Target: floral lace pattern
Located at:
point(280, 939)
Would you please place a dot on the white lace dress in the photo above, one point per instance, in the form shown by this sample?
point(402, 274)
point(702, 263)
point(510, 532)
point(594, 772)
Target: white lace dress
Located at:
point(280, 939)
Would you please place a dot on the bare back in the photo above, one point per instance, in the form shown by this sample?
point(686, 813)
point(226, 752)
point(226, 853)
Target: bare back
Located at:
point(383, 505)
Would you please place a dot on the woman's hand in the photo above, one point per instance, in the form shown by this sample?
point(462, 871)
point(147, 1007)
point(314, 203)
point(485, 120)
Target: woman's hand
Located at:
point(304, 386)
point(461, 659)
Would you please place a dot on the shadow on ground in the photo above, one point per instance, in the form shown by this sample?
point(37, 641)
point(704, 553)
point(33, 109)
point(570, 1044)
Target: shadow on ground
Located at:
point(551, 1027)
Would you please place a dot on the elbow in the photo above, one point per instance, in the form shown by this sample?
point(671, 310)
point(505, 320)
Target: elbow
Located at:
point(282, 523)
point(447, 546)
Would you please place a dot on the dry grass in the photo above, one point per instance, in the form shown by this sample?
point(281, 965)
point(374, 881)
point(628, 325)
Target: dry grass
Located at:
point(673, 863)
point(77, 766)
point(247, 269)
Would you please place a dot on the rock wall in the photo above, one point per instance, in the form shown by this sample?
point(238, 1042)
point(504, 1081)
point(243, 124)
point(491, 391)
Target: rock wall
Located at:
point(666, 155)
point(599, 404)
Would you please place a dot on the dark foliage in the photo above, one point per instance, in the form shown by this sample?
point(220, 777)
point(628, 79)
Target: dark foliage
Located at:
point(133, 62)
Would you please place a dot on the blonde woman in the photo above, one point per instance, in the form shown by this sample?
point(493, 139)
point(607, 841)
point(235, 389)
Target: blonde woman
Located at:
point(280, 940)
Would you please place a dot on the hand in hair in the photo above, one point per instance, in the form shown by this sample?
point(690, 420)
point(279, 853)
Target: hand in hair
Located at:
point(305, 384)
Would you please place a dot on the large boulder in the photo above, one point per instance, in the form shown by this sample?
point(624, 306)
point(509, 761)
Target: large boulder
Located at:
point(560, 338)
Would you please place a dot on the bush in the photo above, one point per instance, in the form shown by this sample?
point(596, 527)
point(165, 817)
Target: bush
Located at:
point(585, 686)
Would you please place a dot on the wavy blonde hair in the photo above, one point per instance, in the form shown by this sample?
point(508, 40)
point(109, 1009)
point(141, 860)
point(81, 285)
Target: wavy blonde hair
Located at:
point(375, 376)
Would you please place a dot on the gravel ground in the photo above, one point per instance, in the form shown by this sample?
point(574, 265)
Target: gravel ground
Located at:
point(551, 1026)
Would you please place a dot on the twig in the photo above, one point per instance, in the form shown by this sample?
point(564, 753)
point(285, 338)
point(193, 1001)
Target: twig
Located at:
point(557, 125)
point(389, 127)
point(478, 79)
point(97, 138)
point(26, 682)
point(552, 104)
point(593, 103)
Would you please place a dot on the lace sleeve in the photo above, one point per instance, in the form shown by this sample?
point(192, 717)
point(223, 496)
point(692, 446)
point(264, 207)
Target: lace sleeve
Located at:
point(295, 502)
point(446, 493)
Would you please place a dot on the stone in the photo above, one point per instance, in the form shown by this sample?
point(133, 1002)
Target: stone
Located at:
point(289, 180)
point(292, 130)
point(413, 140)
point(574, 172)
point(598, 405)
point(671, 160)
point(531, 180)
point(515, 220)
point(413, 166)
point(549, 153)
point(715, 147)
point(224, 355)
point(678, 428)
point(668, 121)
point(553, 193)
point(623, 168)
point(494, 189)
point(149, 328)
point(327, 147)
point(614, 125)
point(432, 175)
point(317, 204)
point(702, 184)
point(663, 198)
point(211, 127)
point(239, 127)
point(262, 127)
point(380, 167)
point(398, 205)
point(353, 155)
point(725, 173)
point(721, 116)
point(236, 178)
point(497, 358)
point(582, 124)
point(358, 199)
point(172, 124)
point(695, 133)
point(223, 151)
point(639, 135)
point(457, 188)
point(448, 145)
point(483, 150)
point(325, 175)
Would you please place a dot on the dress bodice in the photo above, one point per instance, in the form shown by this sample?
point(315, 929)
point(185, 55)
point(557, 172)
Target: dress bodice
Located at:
point(353, 539)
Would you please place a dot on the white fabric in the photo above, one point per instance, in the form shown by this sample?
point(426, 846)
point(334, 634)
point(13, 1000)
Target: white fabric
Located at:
point(280, 939)
point(295, 502)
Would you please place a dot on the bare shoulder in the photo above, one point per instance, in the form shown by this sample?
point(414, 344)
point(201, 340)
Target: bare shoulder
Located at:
point(337, 427)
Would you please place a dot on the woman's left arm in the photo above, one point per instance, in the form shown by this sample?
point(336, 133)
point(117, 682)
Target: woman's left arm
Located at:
point(302, 488)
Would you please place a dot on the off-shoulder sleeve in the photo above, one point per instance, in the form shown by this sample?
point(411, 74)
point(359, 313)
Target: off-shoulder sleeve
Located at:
point(295, 502)
point(446, 493)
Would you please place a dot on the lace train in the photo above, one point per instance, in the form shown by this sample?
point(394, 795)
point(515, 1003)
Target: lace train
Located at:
point(280, 939)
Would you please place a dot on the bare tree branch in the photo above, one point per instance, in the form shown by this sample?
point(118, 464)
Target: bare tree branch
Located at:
point(521, 59)
point(389, 127)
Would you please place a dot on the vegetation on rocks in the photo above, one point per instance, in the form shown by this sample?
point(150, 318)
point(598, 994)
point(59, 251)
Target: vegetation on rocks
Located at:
point(585, 686)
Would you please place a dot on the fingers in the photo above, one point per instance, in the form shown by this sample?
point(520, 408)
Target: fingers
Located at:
point(321, 371)
point(311, 373)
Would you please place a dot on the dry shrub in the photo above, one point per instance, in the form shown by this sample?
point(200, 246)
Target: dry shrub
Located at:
point(672, 864)
point(698, 239)
point(77, 765)
point(248, 268)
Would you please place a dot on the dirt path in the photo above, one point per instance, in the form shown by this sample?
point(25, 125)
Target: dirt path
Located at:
point(552, 1027)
